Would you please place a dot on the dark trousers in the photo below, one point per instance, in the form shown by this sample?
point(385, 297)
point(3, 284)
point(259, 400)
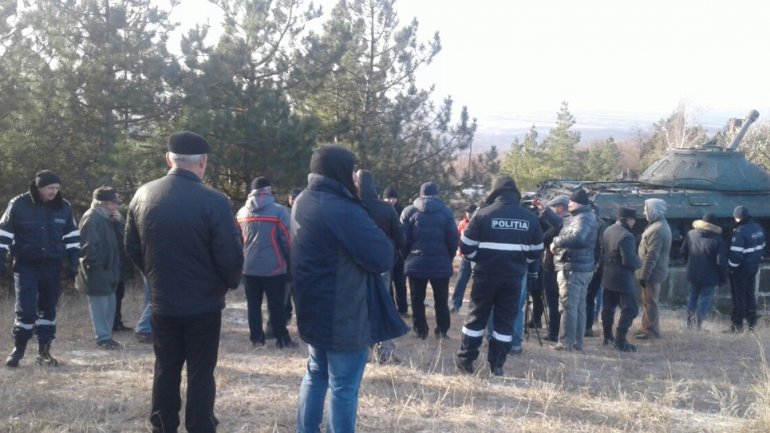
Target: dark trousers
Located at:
point(418, 287)
point(502, 294)
point(629, 309)
point(593, 289)
point(742, 287)
point(274, 288)
point(120, 293)
point(176, 340)
point(37, 290)
point(535, 287)
point(398, 286)
point(551, 288)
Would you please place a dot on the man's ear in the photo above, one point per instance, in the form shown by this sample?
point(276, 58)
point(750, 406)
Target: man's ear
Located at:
point(168, 161)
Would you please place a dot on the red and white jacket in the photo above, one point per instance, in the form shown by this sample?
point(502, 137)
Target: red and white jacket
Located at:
point(264, 228)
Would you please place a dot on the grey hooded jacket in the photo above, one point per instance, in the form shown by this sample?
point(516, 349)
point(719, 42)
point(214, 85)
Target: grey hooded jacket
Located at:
point(655, 244)
point(265, 230)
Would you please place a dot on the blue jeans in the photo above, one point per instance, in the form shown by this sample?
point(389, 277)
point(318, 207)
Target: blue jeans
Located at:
point(699, 304)
point(102, 315)
point(463, 275)
point(144, 326)
point(340, 371)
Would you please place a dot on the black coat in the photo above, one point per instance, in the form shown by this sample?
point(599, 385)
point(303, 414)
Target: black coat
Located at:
point(705, 252)
point(620, 259)
point(182, 235)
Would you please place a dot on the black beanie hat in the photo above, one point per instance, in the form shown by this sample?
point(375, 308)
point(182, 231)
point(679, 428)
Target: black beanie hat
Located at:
point(337, 163)
point(260, 182)
point(710, 218)
point(295, 192)
point(187, 143)
point(428, 189)
point(106, 193)
point(740, 212)
point(626, 212)
point(390, 192)
point(471, 208)
point(579, 196)
point(45, 178)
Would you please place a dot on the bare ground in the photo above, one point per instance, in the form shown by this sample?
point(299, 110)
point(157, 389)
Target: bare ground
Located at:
point(686, 382)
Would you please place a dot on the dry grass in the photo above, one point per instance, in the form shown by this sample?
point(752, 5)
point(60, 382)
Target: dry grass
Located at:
point(686, 382)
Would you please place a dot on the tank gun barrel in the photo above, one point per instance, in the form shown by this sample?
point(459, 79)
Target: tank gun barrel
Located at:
point(750, 118)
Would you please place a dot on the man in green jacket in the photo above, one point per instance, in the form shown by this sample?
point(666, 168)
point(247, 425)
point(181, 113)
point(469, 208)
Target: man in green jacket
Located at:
point(654, 253)
point(99, 271)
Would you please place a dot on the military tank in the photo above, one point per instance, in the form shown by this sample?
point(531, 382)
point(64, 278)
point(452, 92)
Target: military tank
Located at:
point(693, 181)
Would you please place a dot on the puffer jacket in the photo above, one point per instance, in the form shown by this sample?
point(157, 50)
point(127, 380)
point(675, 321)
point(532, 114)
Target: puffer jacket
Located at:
point(431, 238)
point(99, 271)
point(655, 245)
point(383, 213)
point(618, 253)
point(576, 242)
point(337, 255)
point(36, 232)
point(747, 246)
point(706, 255)
point(181, 234)
point(264, 228)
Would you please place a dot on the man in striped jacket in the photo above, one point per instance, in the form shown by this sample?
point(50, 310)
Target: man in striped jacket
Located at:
point(502, 238)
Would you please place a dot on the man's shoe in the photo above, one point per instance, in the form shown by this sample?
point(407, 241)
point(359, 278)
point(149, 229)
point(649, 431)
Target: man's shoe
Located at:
point(589, 333)
point(515, 350)
point(534, 325)
point(454, 310)
point(13, 359)
point(120, 327)
point(441, 335)
point(625, 346)
point(44, 357)
point(733, 329)
point(464, 367)
point(143, 337)
point(422, 335)
point(608, 341)
point(560, 347)
point(497, 371)
point(107, 344)
point(285, 344)
point(641, 335)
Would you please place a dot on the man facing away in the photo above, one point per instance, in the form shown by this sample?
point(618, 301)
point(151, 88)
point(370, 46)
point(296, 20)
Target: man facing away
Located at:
point(654, 250)
point(618, 252)
point(180, 233)
point(574, 260)
point(705, 253)
point(501, 238)
point(39, 231)
point(747, 247)
point(466, 266)
point(337, 256)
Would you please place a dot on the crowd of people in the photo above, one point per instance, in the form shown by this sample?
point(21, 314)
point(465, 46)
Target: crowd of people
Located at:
point(339, 257)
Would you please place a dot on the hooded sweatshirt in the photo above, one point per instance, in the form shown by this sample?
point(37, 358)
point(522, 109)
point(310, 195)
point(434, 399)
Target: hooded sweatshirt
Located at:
point(655, 245)
point(705, 252)
point(264, 227)
point(383, 214)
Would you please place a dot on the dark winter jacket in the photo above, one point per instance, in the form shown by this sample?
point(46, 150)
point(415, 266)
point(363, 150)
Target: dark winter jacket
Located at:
point(431, 238)
point(36, 232)
point(550, 223)
point(383, 213)
point(336, 257)
point(503, 238)
point(181, 234)
point(618, 253)
point(706, 255)
point(264, 226)
point(655, 245)
point(747, 246)
point(99, 271)
point(576, 242)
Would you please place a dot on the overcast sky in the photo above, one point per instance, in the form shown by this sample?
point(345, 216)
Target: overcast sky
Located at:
point(514, 57)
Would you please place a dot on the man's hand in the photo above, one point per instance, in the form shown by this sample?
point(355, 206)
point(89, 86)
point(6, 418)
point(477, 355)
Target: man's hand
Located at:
point(642, 282)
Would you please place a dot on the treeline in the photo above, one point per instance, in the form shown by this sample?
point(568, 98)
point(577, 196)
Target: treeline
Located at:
point(91, 88)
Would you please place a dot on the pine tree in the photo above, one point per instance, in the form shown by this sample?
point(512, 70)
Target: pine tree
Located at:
point(560, 157)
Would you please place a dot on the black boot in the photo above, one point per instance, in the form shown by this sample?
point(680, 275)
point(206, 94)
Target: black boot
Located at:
point(44, 355)
point(18, 353)
point(621, 343)
point(609, 340)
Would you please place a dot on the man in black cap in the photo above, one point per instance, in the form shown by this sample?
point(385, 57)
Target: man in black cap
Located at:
point(398, 283)
point(100, 264)
point(39, 231)
point(501, 238)
point(180, 233)
point(618, 252)
point(574, 261)
point(747, 247)
point(705, 253)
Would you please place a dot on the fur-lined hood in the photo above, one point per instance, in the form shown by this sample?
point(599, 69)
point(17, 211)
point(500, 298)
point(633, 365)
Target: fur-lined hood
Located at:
point(706, 227)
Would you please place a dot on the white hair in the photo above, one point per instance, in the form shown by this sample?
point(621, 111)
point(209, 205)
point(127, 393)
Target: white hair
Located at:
point(184, 160)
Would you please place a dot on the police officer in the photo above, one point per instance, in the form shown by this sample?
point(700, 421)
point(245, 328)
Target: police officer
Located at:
point(746, 249)
point(38, 229)
point(502, 238)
